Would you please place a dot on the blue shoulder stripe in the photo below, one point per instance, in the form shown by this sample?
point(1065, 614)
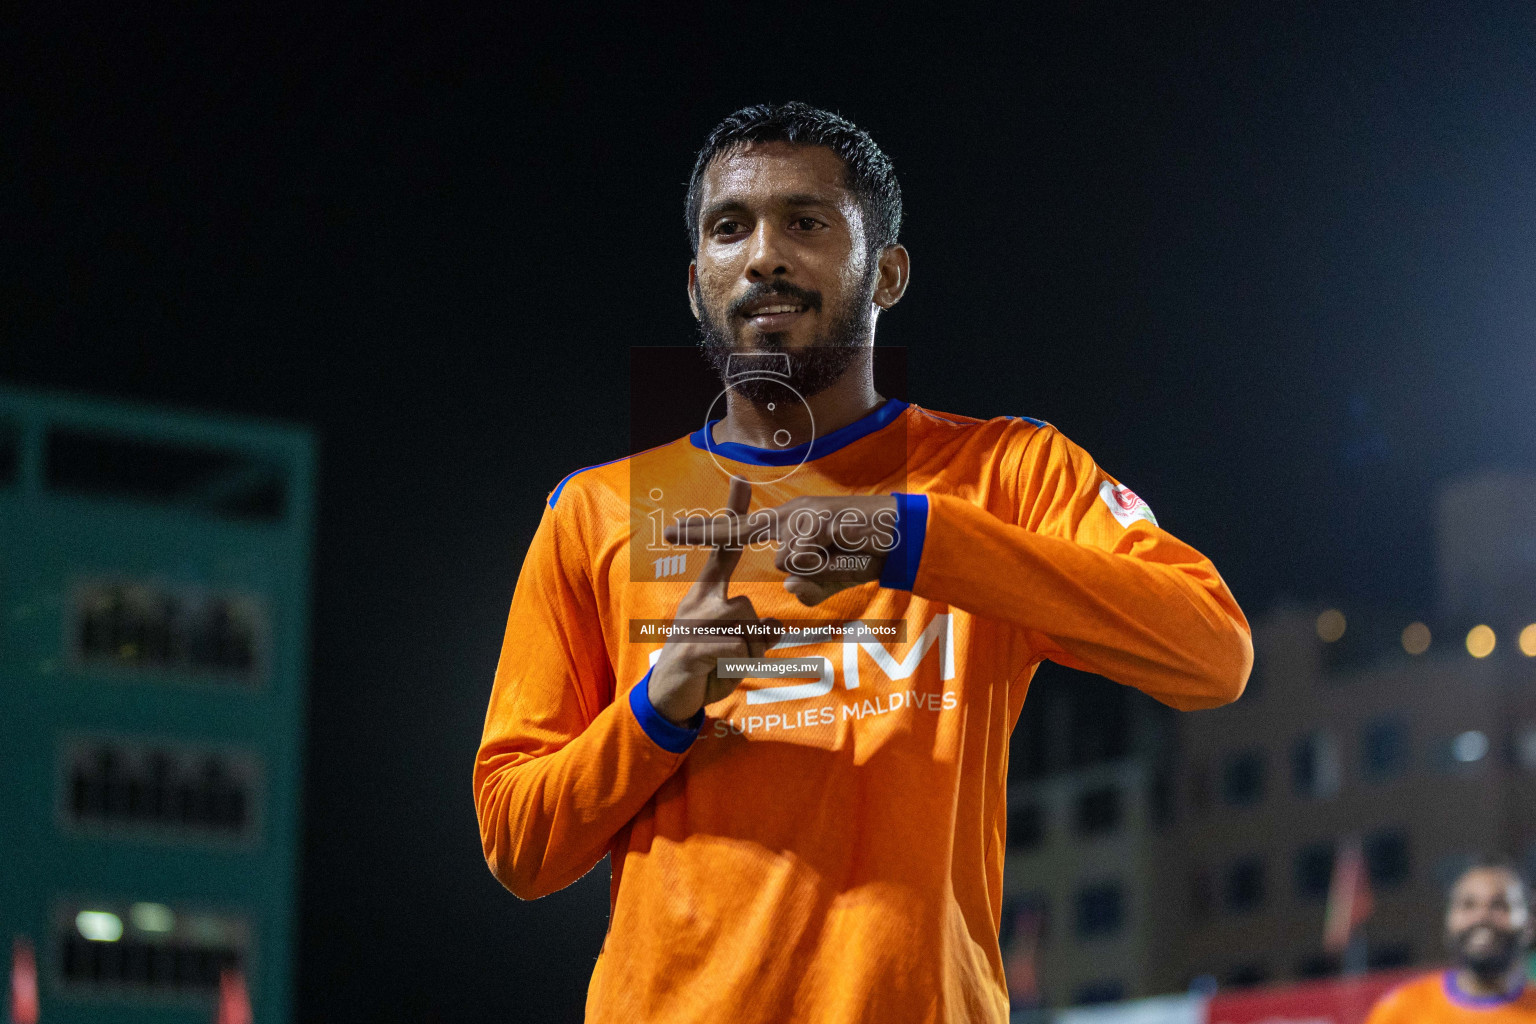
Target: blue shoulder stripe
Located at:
point(555, 494)
point(1028, 419)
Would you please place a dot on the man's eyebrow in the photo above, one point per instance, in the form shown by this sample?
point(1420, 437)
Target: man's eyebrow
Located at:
point(807, 199)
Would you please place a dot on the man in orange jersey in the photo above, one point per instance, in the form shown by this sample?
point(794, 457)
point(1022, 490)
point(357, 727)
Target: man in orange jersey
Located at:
point(823, 844)
point(1488, 930)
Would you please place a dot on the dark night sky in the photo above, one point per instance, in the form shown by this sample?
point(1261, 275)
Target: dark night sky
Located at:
point(1276, 270)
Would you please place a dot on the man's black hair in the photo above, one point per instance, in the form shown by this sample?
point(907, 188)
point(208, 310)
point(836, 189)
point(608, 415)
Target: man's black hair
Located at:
point(869, 175)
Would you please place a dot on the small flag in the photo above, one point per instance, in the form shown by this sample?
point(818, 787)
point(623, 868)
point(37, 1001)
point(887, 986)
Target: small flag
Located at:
point(234, 1003)
point(24, 1009)
point(1349, 896)
point(1019, 965)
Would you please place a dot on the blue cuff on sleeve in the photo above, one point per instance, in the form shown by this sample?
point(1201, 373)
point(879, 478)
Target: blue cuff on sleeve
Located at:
point(672, 738)
point(901, 564)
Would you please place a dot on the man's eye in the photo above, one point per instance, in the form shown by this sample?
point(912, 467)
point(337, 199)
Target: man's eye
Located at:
point(728, 227)
point(807, 223)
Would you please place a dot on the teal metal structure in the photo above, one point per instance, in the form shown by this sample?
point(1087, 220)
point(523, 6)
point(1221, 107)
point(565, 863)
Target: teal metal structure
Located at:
point(154, 607)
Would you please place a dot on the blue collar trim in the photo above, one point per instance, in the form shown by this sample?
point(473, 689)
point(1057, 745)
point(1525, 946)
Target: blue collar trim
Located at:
point(816, 448)
point(1456, 995)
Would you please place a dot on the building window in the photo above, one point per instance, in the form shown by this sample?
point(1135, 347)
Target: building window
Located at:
point(1465, 753)
point(1319, 965)
point(1026, 919)
point(1160, 795)
point(1026, 827)
point(1199, 789)
point(175, 793)
point(1451, 867)
point(1102, 991)
point(1384, 748)
point(1315, 767)
point(1243, 886)
point(1202, 895)
point(146, 948)
point(229, 484)
point(1098, 811)
point(1314, 870)
point(1388, 955)
point(1100, 910)
point(1386, 857)
point(160, 629)
point(1247, 975)
point(1242, 778)
point(1524, 744)
point(10, 452)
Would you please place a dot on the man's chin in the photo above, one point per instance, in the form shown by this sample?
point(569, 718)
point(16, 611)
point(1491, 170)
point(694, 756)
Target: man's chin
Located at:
point(1489, 963)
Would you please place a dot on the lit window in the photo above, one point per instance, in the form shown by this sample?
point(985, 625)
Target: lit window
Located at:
point(99, 925)
point(1470, 746)
point(152, 917)
point(1480, 641)
point(185, 957)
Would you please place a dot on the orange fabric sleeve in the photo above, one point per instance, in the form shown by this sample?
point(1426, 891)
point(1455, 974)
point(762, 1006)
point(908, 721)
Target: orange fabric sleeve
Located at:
point(562, 766)
point(1132, 603)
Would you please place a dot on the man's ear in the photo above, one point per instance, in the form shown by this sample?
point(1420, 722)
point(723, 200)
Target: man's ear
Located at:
point(693, 290)
point(895, 270)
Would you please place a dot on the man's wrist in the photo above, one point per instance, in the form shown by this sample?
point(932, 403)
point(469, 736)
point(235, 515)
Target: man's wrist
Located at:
point(667, 734)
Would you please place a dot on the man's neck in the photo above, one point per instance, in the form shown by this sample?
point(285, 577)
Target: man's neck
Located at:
point(1473, 984)
point(850, 398)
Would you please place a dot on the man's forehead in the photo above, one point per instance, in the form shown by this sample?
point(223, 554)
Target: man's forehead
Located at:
point(1490, 881)
point(766, 171)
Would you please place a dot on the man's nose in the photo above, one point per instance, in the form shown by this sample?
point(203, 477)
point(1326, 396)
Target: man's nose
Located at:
point(767, 255)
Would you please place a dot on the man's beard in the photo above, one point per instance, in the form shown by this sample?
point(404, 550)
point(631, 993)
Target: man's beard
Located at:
point(813, 369)
point(1492, 963)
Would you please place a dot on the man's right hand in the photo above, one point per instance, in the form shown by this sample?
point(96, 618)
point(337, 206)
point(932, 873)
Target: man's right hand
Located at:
point(684, 679)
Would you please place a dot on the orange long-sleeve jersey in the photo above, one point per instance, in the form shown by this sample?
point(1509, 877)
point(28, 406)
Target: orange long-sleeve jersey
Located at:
point(830, 850)
point(1437, 999)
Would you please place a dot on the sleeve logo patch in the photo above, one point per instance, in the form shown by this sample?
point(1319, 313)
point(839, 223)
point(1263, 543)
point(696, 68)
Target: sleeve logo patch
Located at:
point(1124, 504)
